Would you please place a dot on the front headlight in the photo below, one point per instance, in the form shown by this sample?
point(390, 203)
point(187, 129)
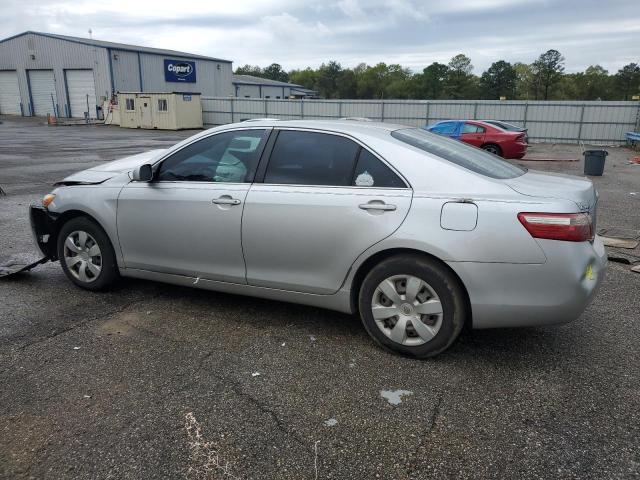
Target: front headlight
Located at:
point(48, 199)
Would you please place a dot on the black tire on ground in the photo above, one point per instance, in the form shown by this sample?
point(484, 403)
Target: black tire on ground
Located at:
point(493, 148)
point(109, 268)
point(445, 284)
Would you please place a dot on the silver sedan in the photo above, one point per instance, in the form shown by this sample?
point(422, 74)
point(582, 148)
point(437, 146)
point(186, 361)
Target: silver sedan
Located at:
point(416, 233)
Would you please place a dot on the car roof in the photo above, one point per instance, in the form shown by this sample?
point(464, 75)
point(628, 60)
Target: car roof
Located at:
point(341, 126)
point(472, 122)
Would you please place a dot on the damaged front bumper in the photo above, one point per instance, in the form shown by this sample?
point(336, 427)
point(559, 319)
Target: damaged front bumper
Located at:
point(43, 229)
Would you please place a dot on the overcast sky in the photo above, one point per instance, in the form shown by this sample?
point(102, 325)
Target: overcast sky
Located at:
point(300, 33)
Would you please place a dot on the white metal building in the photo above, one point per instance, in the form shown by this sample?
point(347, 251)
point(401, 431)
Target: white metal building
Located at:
point(43, 73)
point(248, 86)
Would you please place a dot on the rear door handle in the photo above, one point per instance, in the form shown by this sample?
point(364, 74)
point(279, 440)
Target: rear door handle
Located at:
point(226, 201)
point(377, 206)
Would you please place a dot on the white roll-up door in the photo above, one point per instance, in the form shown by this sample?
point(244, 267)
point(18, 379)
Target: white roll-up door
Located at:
point(82, 91)
point(43, 92)
point(9, 93)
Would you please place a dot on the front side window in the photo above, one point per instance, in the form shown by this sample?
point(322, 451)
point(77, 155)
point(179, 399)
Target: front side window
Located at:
point(445, 128)
point(130, 104)
point(371, 172)
point(471, 158)
point(225, 157)
point(162, 104)
point(310, 158)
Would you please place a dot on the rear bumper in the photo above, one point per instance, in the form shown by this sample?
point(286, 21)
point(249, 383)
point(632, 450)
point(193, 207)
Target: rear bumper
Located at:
point(43, 230)
point(515, 150)
point(521, 295)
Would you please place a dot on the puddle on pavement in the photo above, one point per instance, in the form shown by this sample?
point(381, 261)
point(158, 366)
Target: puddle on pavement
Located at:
point(394, 397)
point(123, 324)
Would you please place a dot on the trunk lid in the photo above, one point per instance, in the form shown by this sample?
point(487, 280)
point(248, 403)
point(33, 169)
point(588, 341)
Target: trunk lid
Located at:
point(558, 185)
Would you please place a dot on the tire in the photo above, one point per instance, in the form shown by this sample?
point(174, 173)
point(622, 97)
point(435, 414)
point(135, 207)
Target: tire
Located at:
point(78, 238)
point(493, 148)
point(438, 285)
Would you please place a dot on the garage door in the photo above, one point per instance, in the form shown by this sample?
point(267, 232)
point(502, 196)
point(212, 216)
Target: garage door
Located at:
point(82, 91)
point(9, 93)
point(43, 86)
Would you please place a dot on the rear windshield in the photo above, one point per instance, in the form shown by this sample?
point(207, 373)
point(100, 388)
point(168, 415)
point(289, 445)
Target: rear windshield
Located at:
point(459, 153)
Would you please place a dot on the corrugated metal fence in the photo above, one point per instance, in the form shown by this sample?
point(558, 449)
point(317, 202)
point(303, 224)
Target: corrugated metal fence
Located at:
point(547, 121)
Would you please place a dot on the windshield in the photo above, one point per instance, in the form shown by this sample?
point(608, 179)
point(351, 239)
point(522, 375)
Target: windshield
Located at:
point(457, 152)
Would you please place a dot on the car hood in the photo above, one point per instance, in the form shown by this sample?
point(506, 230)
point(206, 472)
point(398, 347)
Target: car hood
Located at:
point(101, 173)
point(556, 185)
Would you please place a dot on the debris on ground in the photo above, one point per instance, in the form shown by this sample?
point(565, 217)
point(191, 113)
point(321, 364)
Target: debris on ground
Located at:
point(628, 233)
point(255, 374)
point(622, 257)
point(618, 242)
point(636, 269)
point(17, 266)
point(394, 397)
point(332, 422)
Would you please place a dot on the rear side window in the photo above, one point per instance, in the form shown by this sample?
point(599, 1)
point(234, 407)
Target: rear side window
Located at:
point(470, 128)
point(457, 152)
point(371, 172)
point(310, 158)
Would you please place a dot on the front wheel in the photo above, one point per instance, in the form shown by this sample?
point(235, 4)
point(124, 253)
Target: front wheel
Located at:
point(86, 254)
point(412, 305)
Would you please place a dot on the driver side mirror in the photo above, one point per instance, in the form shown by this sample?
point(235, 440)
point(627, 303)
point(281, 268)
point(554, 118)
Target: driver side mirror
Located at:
point(143, 173)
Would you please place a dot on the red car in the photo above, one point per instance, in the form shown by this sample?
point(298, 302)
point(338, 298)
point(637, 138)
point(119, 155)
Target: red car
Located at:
point(489, 137)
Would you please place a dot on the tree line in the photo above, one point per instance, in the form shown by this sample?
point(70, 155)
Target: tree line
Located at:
point(544, 79)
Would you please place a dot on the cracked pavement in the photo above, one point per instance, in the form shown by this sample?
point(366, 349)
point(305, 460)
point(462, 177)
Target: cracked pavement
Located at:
point(98, 385)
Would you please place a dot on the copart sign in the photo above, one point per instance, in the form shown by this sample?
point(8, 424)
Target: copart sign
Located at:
point(179, 71)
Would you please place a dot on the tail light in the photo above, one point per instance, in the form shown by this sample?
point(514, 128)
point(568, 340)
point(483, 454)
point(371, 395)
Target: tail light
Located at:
point(571, 227)
point(521, 138)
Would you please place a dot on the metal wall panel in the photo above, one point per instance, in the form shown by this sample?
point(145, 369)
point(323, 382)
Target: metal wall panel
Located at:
point(126, 71)
point(37, 52)
point(547, 121)
point(247, 91)
point(360, 108)
point(212, 78)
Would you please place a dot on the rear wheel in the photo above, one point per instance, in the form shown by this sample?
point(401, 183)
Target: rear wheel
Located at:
point(86, 254)
point(412, 305)
point(492, 148)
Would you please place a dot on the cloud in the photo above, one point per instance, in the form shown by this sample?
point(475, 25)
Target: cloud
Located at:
point(290, 28)
point(297, 34)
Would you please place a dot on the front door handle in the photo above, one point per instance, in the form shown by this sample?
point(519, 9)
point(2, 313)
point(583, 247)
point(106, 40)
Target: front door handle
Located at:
point(226, 200)
point(377, 206)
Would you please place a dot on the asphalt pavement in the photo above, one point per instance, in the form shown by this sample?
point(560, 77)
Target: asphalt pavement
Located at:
point(157, 381)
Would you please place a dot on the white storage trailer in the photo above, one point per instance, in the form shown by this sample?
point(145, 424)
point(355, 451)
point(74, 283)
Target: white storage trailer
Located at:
point(163, 111)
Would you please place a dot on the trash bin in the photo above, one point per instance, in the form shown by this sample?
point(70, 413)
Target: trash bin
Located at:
point(594, 162)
